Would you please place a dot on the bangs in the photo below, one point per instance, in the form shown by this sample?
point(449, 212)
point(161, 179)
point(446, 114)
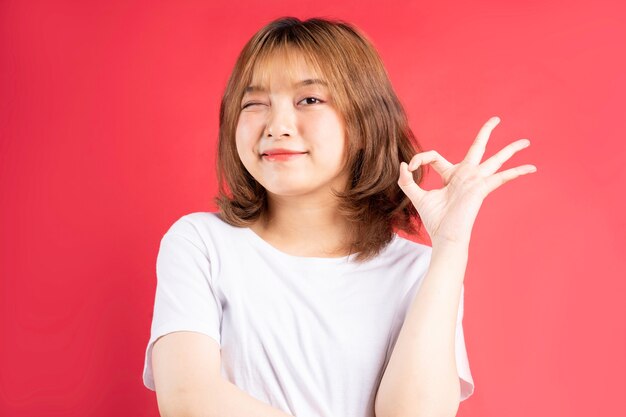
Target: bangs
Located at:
point(286, 58)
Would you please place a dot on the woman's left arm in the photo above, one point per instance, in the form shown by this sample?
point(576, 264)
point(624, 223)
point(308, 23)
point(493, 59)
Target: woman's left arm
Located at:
point(421, 377)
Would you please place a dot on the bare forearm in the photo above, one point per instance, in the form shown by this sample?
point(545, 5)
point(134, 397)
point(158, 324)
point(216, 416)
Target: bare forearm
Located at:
point(234, 402)
point(421, 377)
point(221, 400)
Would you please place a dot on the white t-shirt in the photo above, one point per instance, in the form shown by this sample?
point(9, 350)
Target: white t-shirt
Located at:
point(309, 336)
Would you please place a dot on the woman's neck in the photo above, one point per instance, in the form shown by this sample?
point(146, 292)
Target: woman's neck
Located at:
point(304, 229)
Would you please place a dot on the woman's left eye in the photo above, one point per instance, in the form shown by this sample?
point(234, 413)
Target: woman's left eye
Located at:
point(311, 98)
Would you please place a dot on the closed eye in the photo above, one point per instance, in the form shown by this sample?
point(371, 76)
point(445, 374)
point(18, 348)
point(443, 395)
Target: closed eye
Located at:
point(250, 104)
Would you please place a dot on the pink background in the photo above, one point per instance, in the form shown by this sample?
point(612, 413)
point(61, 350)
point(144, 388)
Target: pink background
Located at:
point(108, 125)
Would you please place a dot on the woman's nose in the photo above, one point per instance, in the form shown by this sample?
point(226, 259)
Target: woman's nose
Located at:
point(280, 121)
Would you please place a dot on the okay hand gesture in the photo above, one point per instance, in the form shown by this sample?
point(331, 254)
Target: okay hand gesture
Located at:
point(448, 213)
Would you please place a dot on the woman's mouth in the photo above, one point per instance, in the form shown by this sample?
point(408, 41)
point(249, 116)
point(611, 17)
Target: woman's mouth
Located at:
point(278, 156)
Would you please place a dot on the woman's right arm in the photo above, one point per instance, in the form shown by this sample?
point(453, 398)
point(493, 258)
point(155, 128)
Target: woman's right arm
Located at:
point(188, 381)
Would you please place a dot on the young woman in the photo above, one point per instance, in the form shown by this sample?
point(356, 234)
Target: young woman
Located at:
point(298, 297)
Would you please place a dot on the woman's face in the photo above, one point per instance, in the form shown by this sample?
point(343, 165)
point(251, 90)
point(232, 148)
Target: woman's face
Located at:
point(289, 135)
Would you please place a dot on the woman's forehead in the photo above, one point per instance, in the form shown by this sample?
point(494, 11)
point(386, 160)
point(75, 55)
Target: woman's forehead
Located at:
point(288, 65)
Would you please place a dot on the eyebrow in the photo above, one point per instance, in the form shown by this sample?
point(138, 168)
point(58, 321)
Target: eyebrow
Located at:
point(312, 81)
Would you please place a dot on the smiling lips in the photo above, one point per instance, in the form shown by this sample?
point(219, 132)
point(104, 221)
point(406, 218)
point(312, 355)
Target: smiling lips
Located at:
point(281, 154)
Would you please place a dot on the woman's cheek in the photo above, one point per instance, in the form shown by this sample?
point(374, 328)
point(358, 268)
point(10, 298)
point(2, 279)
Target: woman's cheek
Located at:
point(250, 127)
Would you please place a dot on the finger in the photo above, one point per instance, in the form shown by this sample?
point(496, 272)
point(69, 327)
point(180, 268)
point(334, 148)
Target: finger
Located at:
point(438, 162)
point(491, 165)
point(477, 150)
point(500, 178)
point(408, 184)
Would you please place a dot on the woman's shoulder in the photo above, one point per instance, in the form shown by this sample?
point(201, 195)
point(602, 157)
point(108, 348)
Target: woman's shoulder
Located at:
point(198, 222)
point(403, 245)
point(202, 227)
point(404, 251)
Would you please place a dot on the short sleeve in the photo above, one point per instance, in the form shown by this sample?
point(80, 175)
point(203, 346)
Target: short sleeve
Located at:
point(185, 298)
point(462, 361)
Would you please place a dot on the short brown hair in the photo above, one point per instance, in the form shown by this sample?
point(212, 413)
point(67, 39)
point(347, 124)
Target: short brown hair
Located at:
point(377, 130)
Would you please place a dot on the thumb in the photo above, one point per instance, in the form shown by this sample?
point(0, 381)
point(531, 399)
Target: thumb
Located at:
point(408, 184)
